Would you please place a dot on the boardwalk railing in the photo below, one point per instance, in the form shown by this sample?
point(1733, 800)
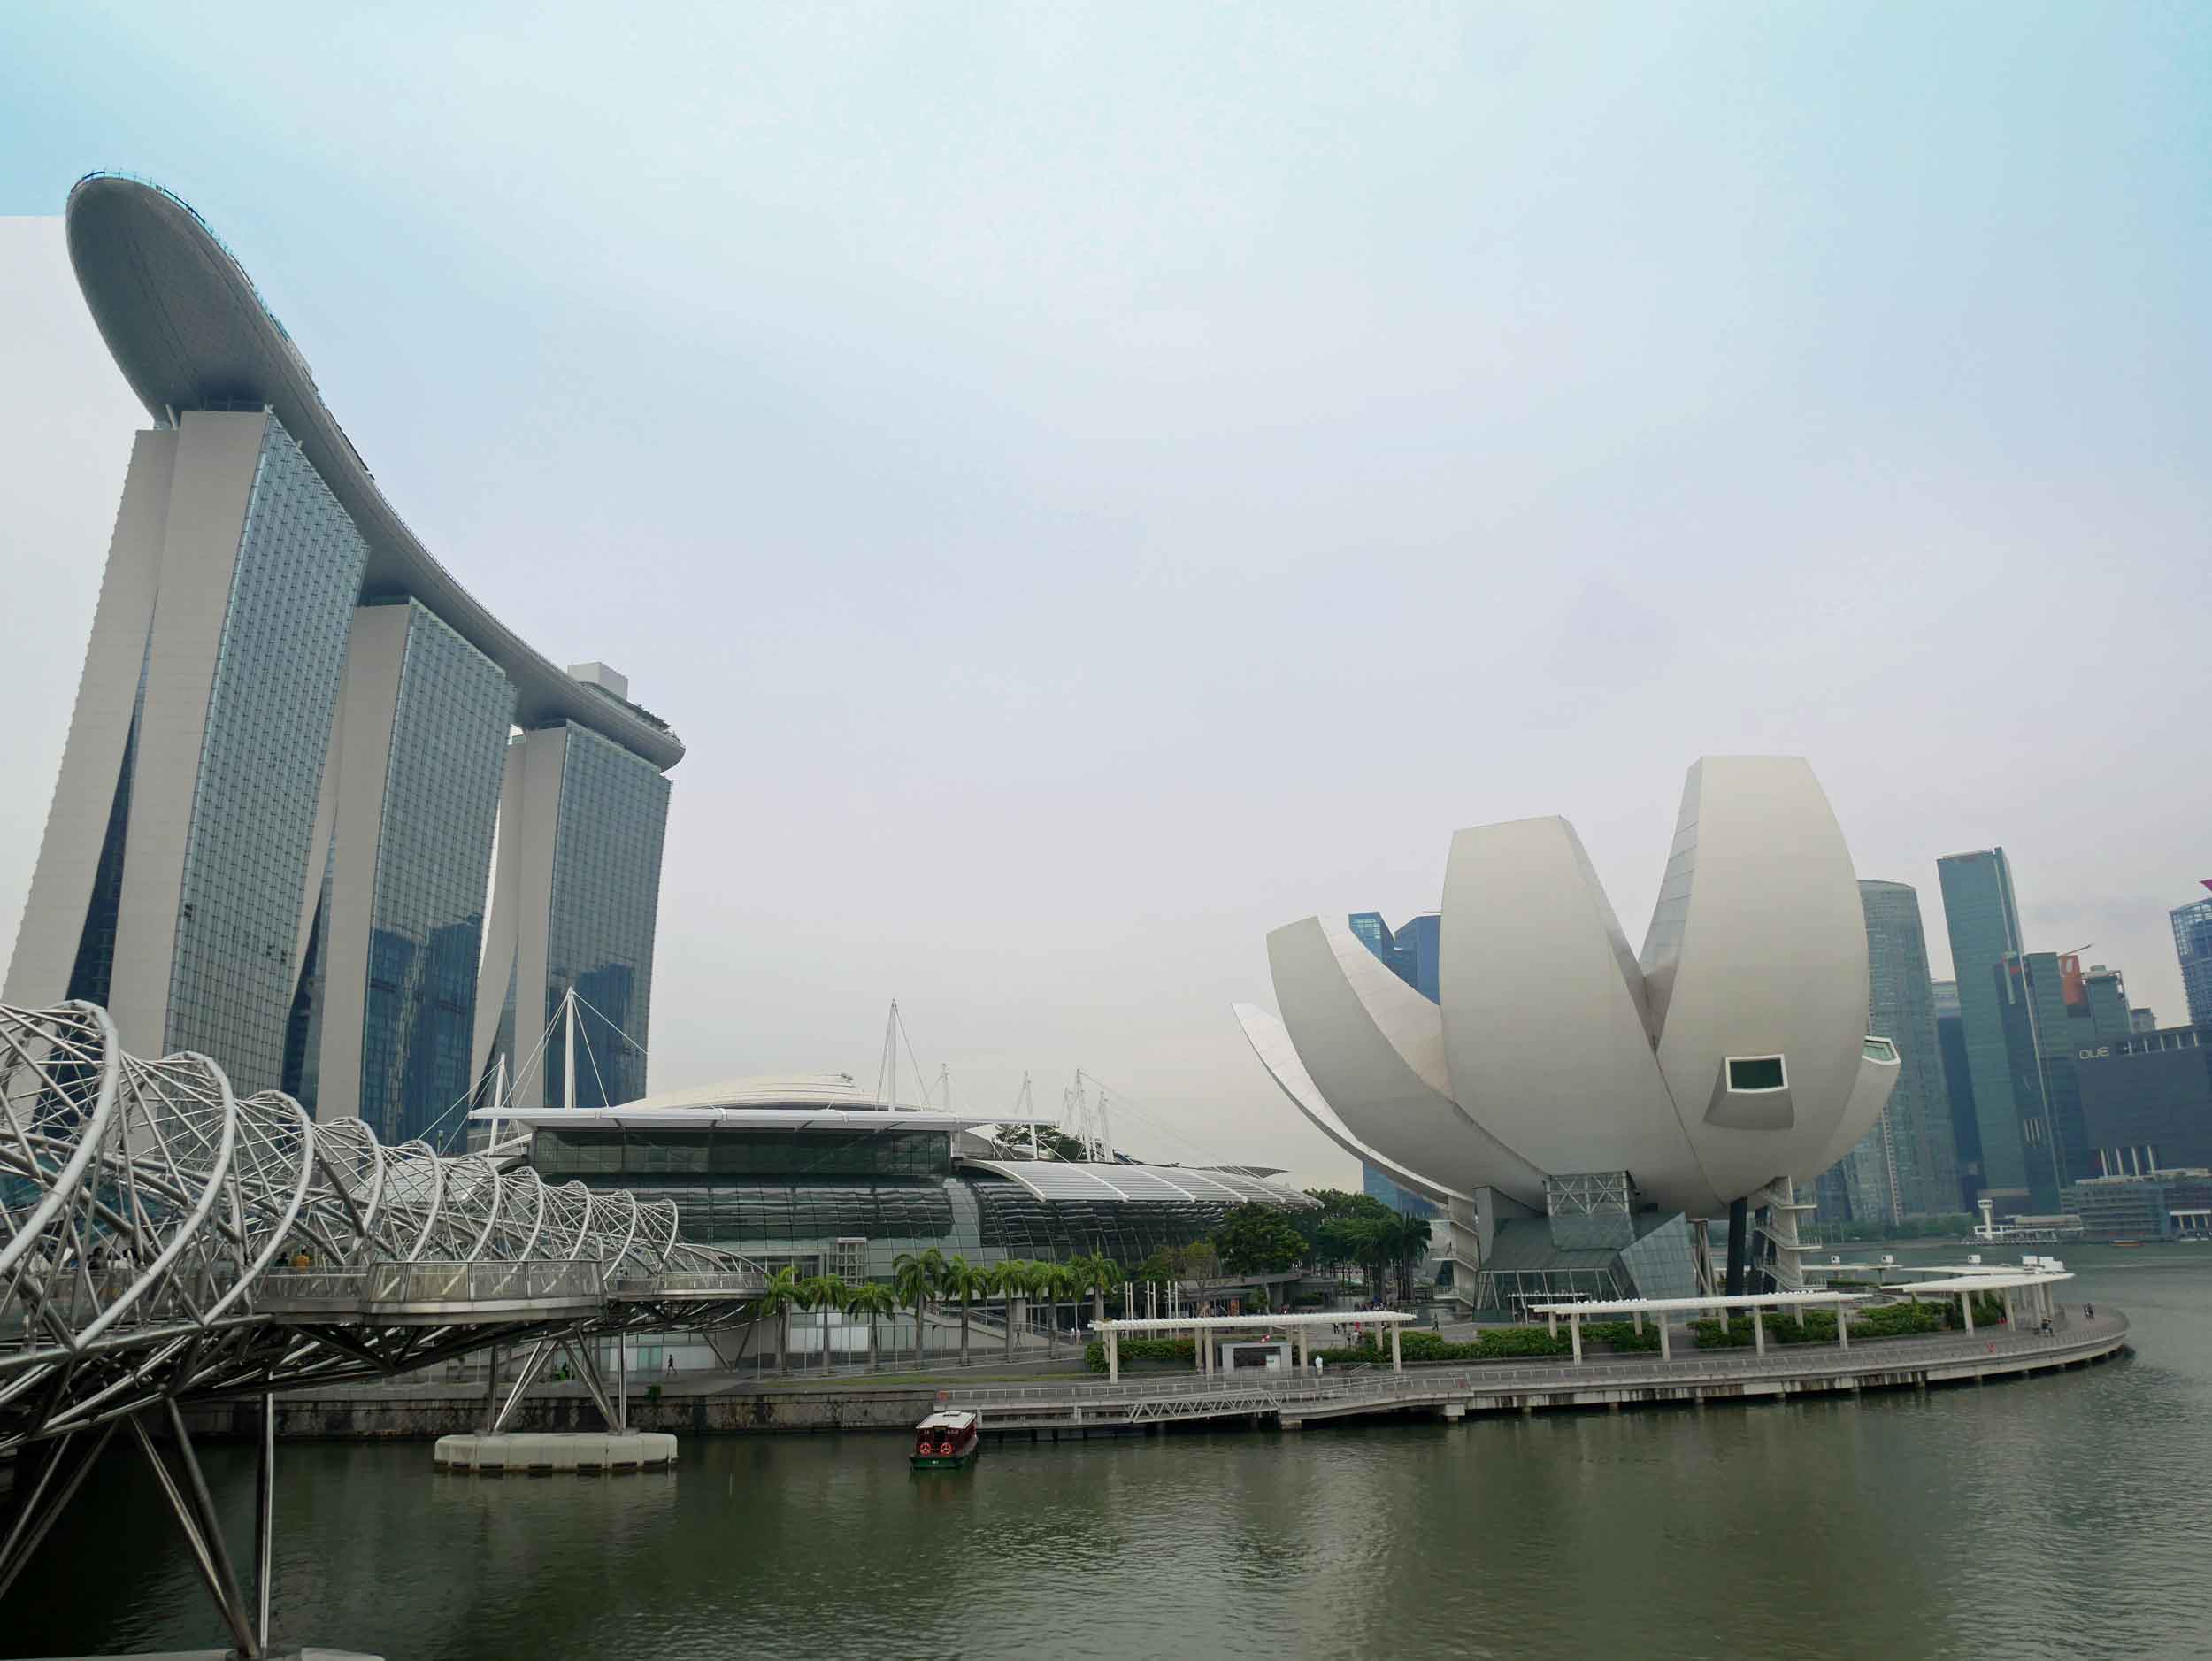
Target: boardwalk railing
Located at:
point(1333, 1391)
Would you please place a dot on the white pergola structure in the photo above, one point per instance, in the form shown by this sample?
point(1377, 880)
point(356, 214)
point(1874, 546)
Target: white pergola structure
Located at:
point(1200, 1327)
point(2036, 1284)
point(1661, 1309)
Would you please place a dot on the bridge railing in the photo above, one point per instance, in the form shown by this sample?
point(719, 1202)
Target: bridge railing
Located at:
point(398, 1283)
point(690, 1284)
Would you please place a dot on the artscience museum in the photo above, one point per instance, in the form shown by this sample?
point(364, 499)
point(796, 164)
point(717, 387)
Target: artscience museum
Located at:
point(1582, 1112)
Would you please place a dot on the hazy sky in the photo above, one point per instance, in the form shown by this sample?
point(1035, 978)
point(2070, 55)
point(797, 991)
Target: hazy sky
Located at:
point(1093, 485)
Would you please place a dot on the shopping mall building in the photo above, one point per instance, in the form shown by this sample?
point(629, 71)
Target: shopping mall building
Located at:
point(814, 1172)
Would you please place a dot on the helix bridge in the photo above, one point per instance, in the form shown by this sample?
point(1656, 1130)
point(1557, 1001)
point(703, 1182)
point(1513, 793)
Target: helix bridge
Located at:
point(163, 1241)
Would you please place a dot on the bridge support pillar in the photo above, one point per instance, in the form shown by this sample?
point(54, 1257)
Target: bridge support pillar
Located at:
point(196, 1515)
point(48, 1477)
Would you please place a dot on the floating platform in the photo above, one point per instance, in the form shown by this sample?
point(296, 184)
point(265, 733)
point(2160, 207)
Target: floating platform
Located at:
point(541, 1453)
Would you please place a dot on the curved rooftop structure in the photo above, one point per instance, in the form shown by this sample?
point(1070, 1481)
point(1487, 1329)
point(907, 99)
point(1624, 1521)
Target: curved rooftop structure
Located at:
point(189, 330)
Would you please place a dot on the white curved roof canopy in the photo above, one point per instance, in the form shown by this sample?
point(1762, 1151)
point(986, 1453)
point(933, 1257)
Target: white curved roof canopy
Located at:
point(188, 330)
point(1067, 1179)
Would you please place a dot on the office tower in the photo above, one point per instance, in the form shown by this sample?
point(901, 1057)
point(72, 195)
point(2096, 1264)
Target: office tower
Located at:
point(2193, 945)
point(1403, 952)
point(1983, 923)
point(2142, 1018)
point(2146, 1103)
point(1420, 949)
point(2106, 995)
point(1371, 932)
point(269, 835)
point(574, 906)
point(1375, 1185)
point(1906, 1165)
point(1958, 1084)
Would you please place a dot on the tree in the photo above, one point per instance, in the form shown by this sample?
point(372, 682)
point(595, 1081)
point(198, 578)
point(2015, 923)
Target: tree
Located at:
point(1095, 1273)
point(915, 1277)
point(823, 1293)
point(1408, 1238)
point(965, 1281)
point(1160, 1269)
point(1010, 1279)
point(1055, 1281)
point(1059, 1144)
point(872, 1303)
point(781, 1296)
point(1257, 1239)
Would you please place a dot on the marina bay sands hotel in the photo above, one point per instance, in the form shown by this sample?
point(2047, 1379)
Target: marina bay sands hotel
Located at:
point(298, 738)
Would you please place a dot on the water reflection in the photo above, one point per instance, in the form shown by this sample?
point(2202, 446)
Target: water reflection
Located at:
point(2063, 1517)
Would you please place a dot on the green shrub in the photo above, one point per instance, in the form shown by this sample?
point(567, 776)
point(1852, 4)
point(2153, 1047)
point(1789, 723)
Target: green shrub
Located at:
point(1901, 1320)
point(1621, 1334)
point(1182, 1350)
point(1500, 1344)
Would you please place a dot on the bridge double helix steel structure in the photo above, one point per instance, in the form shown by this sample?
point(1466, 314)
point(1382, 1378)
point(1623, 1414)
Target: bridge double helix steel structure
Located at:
point(163, 1241)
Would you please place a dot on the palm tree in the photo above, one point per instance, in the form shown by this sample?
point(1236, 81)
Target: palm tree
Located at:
point(915, 1277)
point(823, 1293)
point(1094, 1273)
point(1409, 1239)
point(1055, 1281)
point(966, 1281)
point(1009, 1280)
point(871, 1301)
point(782, 1295)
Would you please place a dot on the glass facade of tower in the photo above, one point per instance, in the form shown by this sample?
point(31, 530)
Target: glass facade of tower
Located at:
point(1906, 1165)
point(1375, 1185)
point(2193, 945)
point(1411, 954)
point(1958, 1084)
point(1983, 923)
point(433, 858)
point(275, 690)
point(606, 905)
point(2056, 1016)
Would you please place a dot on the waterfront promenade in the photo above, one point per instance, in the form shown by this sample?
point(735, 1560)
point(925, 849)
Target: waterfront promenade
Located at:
point(1453, 1390)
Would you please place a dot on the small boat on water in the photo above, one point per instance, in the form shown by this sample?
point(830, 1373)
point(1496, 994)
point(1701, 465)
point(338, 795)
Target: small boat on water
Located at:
point(947, 1441)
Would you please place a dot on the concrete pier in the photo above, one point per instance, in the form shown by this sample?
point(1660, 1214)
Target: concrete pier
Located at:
point(531, 1453)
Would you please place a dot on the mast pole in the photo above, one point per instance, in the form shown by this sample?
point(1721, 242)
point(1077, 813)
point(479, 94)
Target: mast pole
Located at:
point(568, 1049)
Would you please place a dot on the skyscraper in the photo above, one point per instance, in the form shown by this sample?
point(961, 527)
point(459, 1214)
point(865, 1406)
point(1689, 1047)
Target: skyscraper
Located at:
point(270, 834)
point(1411, 953)
point(2193, 945)
point(1958, 1084)
point(1420, 946)
point(1983, 923)
point(1906, 1165)
point(2046, 1018)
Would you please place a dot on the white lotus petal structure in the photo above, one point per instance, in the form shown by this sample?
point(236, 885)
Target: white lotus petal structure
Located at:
point(1733, 1052)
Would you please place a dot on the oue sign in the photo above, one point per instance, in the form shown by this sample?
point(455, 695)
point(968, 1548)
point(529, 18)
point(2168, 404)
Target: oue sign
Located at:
point(2091, 1055)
